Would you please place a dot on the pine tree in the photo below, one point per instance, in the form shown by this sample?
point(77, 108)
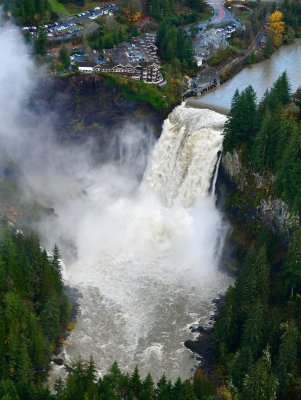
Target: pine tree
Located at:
point(225, 331)
point(164, 389)
point(288, 180)
point(41, 42)
point(292, 265)
point(231, 125)
point(260, 143)
point(64, 57)
point(241, 124)
point(56, 263)
point(8, 390)
point(242, 363)
point(253, 282)
point(135, 382)
point(260, 383)
point(254, 329)
point(148, 389)
point(287, 356)
point(282, 89)
point(155, 10)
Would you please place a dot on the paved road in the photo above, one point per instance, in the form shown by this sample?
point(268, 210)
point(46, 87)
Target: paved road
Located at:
point(221, 15)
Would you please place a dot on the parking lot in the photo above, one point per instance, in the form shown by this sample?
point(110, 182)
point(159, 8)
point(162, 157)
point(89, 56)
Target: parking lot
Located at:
point(209, 40)
point(74, 26)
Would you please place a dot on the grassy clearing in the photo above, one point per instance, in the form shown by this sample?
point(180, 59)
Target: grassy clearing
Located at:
point(59, 8)
point(244, 15)
point(222, 55)
point(135, 90)
point(74, 9)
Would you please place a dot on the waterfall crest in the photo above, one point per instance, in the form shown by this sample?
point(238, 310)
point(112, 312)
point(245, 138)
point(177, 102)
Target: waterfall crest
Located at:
point(185, 156)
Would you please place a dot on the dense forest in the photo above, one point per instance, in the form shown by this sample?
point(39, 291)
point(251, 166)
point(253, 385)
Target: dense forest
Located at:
point(256, 338)
point(292, 12)
point(257, 334)
point(175, 46)
point(27, 11)
point(33, 312)
point(269, 133)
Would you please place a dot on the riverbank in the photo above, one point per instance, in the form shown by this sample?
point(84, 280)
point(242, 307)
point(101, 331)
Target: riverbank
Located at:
point(261, 76)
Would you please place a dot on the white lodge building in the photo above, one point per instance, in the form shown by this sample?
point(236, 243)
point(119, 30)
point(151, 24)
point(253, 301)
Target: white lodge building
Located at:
point(145, 71)
point(136, 60)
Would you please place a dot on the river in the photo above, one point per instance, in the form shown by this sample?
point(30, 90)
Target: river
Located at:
point(261, 76)
point(144, 253)
point(147, 265)
point(147, 252)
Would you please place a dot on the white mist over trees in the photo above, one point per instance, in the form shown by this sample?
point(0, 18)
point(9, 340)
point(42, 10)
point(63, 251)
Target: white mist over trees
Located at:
point(146, 268)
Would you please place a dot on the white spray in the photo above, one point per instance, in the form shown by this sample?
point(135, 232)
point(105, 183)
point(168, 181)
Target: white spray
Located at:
point(147, 254)
point(152, 271)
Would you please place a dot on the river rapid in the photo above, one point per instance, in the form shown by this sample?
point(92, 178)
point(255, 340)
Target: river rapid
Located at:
point(151, 270)
point(140, 234)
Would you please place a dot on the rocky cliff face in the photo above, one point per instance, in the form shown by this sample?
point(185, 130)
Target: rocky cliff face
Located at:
point(79, 108)
point(84, 106)
point(233, 169)
point(257, 200)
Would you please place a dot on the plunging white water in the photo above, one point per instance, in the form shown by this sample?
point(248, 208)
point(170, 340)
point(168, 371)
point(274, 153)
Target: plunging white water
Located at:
point(183, 162)
point(149, 270)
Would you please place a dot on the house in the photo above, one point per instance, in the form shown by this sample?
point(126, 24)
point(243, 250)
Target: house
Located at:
point(86, 67)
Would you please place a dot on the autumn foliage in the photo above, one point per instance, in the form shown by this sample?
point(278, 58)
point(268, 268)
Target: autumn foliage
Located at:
point(223, 393)
point(276, 27)
point(132, 15)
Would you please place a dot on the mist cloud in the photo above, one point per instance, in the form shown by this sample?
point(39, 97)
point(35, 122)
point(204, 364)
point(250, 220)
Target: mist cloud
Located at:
point(145, 270)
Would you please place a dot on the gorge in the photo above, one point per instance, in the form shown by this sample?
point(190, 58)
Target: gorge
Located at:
point(139, 233)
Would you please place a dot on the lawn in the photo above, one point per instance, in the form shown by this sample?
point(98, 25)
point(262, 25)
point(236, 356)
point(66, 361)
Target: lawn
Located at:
point(58, 8)
point(243, 15)
point(74, 9)
point(136, 90)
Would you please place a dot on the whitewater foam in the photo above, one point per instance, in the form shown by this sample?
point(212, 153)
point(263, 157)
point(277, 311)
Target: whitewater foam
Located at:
point(149, 270)
point(183, 162)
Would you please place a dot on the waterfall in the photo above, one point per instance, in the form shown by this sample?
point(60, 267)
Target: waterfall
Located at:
point(213, 187)
point(143, 256)
point(147, 266)
point(184, 158)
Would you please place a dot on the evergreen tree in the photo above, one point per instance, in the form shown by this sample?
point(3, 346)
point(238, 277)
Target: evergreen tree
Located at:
point(56, 262)
point(253, 282)
point(148, 389)
point(225, 332)
point(64, 57)
point(282, 89)
point(292, 265)
point(242, 363)
point(288, 180)
point(253, 329)
point(260, 143)
point(155, 10)
point(287, 356)
point(260, 383)
point(240, 125)
point(41, 42)
point(135, 382)
point(164, 389)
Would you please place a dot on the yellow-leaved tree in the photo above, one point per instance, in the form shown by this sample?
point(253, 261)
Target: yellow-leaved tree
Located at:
point(276, 27)
point(132, 10)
